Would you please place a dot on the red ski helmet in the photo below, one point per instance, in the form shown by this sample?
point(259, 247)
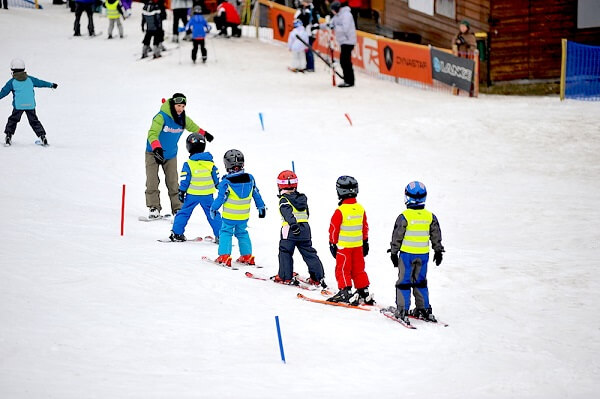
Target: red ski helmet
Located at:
point(287, 179)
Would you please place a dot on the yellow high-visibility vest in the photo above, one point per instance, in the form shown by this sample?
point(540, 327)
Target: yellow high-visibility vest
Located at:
point(416, 237)
point(301, 216)
point(111, 10)
point(351, 230)
point(236, 208)
point(201, 182)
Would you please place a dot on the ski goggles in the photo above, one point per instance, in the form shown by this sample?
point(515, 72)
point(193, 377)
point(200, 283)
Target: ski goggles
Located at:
point(179, 100)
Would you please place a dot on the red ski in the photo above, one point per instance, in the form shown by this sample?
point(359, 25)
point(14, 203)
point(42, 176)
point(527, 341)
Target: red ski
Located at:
point(209, 260)
point(340, 304)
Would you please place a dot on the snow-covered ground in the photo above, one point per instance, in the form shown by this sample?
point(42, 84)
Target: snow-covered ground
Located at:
point(86, 313)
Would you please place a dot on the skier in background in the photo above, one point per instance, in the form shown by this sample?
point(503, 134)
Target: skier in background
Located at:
point(199, 177)
point(349, 244)
point(310, 20)
point(199, 27)
point(86, 6)
point(114, 11)
point(227, 17)
point(298, 48)
point(153, 14)
point(236, 191)
point(295, 233)
point(161, 150)
point(180, 13)
point(345, 33)
point(413, 230)
point(22, 87)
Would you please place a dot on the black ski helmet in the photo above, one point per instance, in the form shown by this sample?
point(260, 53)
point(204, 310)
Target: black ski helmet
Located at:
point(233, 160)
point(195, 143)
point(197, 10)
point(346, 187)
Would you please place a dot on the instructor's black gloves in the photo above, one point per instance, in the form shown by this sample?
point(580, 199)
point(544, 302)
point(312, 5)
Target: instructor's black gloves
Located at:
point(437, 257)
point(159, 155)
point(209, 137)
point(333, 249)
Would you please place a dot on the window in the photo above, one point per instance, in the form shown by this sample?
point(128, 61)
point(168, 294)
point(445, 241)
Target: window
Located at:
point(424, 6)
point(588, 14)
point(447, 8)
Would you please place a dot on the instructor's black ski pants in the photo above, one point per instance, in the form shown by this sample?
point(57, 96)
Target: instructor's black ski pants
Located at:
point(15, 117)
point(346, 63)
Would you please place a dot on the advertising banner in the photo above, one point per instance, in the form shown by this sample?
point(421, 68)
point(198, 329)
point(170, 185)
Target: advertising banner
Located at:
point(405, 60)
point(282, 22)
point(452, 70)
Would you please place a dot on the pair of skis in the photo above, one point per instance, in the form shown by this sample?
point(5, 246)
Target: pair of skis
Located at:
point(234, 265)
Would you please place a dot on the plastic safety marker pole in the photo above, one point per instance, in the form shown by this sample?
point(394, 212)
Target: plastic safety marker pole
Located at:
point(279, 337)
point(262, 124)
point(123, 211)
point(293, 167)
point(348, 117)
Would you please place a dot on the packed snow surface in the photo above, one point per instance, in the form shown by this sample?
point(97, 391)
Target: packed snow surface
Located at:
point(86, 313)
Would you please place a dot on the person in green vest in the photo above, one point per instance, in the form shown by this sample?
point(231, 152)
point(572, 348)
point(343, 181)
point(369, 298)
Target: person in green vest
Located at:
point(114, 11)
point(199, 179)
point(413, 230)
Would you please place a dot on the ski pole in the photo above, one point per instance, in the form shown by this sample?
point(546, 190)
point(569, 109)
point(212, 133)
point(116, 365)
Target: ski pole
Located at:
point(330, 65)
point(280, 341)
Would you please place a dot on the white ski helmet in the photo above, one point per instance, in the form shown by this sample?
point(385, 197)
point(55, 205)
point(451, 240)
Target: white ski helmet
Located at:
point(17, 63)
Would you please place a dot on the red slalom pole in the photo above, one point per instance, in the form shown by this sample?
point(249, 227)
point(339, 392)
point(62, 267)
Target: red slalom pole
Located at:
point(349, 120)
point(123, 211)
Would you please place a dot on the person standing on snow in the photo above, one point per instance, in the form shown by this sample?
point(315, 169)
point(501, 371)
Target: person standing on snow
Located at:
point(409, 248)
point(349, 244)
point(153, 14)
point(345, 33)
point(161, 150)
point(180, 13)
point(199, 28)
point(199, 177)
point(298, 49)
point(86, 6)
point(310, 20)
point(22, 86)
point(295, 233)
point(114, 11)
point(236, 191)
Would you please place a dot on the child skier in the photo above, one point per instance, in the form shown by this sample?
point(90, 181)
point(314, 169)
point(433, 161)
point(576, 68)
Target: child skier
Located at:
point(114, 11)
point(236, 191)
point(161, 150)
point(22, 86)
point(413, 230)
point(199, 177)
point(199, 28)
point(298, 48)
point(349, 244)
point(153, 14)
point(295, 232)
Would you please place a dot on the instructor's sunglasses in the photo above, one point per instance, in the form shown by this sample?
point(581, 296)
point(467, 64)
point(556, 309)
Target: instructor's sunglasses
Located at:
point(179, 100)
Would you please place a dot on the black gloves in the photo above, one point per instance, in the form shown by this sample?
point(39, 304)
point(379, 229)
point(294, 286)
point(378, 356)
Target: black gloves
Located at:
point(365, 247)
point(209, 137)
point(159, 155)
point(437, 257)
point(54, 85)
point(295, 229)
point(333, 249)
point(181, 195)
point(394, 258)
point(262, 212)
point(460, 40)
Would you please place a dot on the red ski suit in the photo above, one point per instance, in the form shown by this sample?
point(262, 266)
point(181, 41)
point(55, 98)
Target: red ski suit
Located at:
point(349, 262)
point(231, 14)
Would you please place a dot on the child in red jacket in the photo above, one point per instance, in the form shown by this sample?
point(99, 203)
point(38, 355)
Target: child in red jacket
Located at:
point(349, 244)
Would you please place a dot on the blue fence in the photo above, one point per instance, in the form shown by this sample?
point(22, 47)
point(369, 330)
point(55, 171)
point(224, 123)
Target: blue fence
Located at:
point(582, 72)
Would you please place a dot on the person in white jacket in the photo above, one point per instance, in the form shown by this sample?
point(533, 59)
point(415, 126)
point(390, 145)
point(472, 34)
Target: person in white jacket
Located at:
point(345, 34)
point(298, 48)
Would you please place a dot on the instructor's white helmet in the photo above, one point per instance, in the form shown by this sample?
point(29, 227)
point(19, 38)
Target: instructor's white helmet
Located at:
point(17, 63)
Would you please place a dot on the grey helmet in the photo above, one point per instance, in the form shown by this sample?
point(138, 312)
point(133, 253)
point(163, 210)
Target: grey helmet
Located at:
point(233, 160)
point(197, 10)
point(346, 187)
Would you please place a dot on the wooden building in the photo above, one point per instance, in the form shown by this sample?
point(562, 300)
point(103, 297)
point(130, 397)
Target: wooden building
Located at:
point(523, 36)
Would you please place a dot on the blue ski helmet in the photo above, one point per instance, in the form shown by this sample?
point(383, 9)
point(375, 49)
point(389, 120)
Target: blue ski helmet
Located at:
point(415, 194)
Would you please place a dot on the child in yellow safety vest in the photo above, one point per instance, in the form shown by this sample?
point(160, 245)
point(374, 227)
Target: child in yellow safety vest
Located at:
point(349, 244)
point(413, 230)
point(114, 12)
point(199, 178)
point(236, 191)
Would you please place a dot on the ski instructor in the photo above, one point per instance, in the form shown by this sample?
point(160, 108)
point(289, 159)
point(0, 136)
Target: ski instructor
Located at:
point(161, 150)
point(345, 34)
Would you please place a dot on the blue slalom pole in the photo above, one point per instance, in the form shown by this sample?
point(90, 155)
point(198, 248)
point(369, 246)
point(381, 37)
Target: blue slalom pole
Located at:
point(262, 124)
point(293, 167)
point(279, 337)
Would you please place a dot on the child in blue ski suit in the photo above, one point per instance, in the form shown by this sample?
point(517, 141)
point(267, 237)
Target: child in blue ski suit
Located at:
point(199, 177)
point(199, 27)
point(22, 87)
point(413, 230)
point(236, 191)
